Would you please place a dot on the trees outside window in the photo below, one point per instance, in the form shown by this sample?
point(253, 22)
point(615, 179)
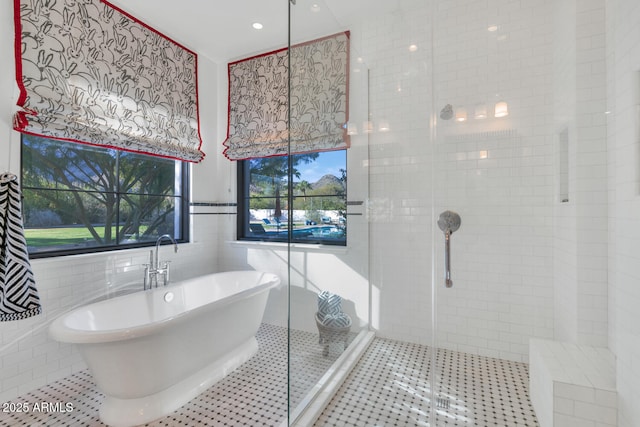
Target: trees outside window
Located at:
point(79, 198)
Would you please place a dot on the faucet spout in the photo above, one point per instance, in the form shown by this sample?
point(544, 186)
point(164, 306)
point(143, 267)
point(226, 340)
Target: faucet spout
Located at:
point(168, 237)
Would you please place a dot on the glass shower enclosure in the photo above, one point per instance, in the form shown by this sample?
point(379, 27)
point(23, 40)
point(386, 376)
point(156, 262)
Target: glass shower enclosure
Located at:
point(453, 179)
point(328, 270)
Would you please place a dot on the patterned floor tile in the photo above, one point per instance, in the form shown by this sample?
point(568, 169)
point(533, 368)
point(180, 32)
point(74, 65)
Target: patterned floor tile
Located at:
point(388, 387)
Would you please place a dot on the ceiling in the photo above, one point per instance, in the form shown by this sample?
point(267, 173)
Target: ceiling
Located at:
point(221, 30)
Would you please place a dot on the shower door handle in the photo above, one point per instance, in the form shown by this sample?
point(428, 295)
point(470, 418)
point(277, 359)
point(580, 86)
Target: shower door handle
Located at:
point(448, 222)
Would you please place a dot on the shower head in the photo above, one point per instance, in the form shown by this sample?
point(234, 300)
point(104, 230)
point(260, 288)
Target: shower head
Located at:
point(447, 112)
point(449, 221)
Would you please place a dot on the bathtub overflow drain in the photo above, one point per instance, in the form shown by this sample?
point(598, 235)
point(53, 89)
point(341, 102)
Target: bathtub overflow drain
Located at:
point(168, 296)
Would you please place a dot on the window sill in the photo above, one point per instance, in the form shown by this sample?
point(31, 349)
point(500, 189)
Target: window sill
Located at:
point(295, 247)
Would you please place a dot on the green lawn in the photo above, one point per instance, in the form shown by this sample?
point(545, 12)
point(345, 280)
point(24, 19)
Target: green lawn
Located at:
point(61, 235)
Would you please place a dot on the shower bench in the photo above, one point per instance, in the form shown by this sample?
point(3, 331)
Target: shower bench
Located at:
point(572, 385)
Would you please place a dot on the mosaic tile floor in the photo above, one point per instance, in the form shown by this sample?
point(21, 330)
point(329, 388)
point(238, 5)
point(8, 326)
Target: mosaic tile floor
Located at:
point(388, 387)
point(253, 395)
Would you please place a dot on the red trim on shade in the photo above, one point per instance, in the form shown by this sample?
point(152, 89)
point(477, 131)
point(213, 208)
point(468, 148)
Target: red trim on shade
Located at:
point(111, 147)
point(284, 155)
point(347, 33)
point(17, 25)
point(133, 18)
point(260, 55)
point(226, 147)
point(347, 137)
point(198, 110)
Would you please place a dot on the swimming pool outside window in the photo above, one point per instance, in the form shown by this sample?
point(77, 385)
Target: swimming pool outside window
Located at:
point(318, 203)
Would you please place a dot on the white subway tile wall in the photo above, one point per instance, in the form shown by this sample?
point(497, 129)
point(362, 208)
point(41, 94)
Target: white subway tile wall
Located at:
point(623, 65)
point(572, 384)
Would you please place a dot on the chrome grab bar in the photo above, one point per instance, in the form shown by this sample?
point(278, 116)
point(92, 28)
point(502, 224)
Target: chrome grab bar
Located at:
point(448, 222)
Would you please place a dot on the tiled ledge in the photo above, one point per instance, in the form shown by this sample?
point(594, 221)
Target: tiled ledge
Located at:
point(572, 385)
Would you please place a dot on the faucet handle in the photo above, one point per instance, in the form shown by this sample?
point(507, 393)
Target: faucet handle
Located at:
point(165, 272)
point(147, 277)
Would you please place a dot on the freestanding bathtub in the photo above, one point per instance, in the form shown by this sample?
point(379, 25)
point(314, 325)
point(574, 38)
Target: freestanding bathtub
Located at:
point(150, 352)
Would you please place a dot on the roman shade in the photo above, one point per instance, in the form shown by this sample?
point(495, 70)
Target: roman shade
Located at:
point(89, 72)
point(258, 121)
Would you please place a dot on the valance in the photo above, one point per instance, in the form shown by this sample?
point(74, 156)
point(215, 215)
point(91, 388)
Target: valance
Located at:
point(89, 72)
point(259, 124)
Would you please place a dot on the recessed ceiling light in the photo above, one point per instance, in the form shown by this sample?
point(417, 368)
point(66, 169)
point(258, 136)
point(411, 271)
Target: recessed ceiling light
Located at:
point(315, 7)
point(413, 48)
point(492, 28)
point(257, 25)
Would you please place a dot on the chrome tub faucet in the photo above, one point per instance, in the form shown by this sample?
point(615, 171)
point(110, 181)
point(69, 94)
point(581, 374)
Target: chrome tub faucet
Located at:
point(157, 268)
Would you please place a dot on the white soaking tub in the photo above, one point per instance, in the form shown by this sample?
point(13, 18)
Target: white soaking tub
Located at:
point(150, 352)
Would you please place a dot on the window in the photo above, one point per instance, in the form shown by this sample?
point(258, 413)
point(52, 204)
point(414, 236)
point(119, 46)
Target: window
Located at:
point(79, 198)
point(319, 198)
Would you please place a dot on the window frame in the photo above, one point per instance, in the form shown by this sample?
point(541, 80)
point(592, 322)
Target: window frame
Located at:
point(184, 212)
point(243, 220)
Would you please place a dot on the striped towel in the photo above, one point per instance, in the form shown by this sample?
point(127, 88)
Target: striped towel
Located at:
point(340, 320)
point(330, 310)
point(18, 295)
point(328, 303)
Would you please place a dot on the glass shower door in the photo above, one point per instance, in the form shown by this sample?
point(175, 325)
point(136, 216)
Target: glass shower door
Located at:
point(328, 257)
point(383, 274)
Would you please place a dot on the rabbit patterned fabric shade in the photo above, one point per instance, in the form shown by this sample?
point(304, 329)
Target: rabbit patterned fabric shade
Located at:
point(90, 73)
point(274, 112)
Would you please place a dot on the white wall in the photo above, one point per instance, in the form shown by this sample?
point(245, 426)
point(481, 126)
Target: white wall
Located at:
point(623, 56)
point(564, 226)
point(28, 358)
point(580, 225)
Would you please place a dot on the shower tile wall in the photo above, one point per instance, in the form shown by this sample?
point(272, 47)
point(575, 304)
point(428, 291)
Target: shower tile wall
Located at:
point(623, 81)
point(400, 182)
point(580, 227)
point(497, 173)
